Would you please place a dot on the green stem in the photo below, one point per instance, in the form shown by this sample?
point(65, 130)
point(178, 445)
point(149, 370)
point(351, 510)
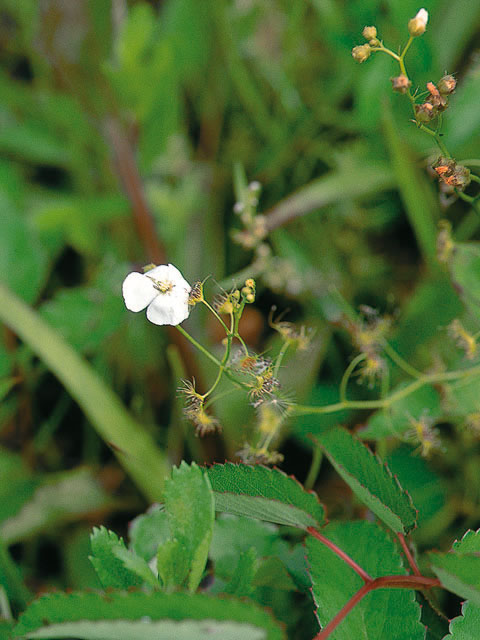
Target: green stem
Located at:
point(434, 378)
point(210, 308)
point(346, 376)
point(199, 346)
point(403, 364)
point(280, 357)
point(474, 177)
point(438, 140)
point(314, 468)
point(471, 162)
point(402, 56)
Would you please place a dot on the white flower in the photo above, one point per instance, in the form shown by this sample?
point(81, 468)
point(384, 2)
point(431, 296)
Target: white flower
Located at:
point(418, 24)
point(163, 290)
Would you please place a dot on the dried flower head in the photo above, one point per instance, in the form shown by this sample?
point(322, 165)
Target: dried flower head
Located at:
point(401, 83)
point(162, 290)
point(424, 433)
point(446, 85)
point(453, 174)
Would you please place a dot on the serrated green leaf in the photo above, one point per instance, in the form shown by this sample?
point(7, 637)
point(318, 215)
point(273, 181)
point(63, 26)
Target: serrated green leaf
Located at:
point(435, 623)
point(264, 494)
point(148, 531)
point(369, 479)
point(241, 581)
point(469, 543)
point(466, 626)
point(386, 613)
point(190, 512)
point(51, 504)
point(273, 573)
point(109, 565)
point(148, 630)
point(459, 572)
point(59, 608)
point(136, 565)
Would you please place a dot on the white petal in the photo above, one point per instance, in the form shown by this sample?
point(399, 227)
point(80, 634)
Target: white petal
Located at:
point(168, 310)
point(422, 15)
point(138, 291)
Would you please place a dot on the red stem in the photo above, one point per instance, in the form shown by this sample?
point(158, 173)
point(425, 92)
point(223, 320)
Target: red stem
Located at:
point(408, 554)
point(416, 581)
point(341, 554)
point(384, 582)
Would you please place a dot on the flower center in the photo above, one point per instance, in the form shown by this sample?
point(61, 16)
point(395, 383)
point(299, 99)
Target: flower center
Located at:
point(162, 287)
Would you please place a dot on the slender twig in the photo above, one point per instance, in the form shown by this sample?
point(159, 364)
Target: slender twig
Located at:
point(346, 376)
point(383, 403)
point(408, 554)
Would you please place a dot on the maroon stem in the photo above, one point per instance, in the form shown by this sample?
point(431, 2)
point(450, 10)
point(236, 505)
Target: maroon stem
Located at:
point(341, 554)
point(408, 554)
point(384, 582)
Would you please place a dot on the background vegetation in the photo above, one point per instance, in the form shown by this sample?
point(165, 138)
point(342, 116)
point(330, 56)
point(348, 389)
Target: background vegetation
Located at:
point(122, 127)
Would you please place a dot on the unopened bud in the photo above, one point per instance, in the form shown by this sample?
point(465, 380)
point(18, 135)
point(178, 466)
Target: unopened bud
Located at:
point(361, 52)
point(374, 42)
point(254, 186)
point(401, 83)
point(418, 24)
point(250, 282)
point(369, 32)
point(250, 298)
point(446, 85)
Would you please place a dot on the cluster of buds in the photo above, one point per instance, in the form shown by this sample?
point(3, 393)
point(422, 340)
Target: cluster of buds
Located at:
point(437, 99)
point(454, 175)
point(233, 302)
point(255, 229)
point(195, 410)
point(424, 433)
point(463, 339)
point(362, 51)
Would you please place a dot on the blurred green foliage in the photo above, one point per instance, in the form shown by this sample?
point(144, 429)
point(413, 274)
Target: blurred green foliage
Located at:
point(115, 112)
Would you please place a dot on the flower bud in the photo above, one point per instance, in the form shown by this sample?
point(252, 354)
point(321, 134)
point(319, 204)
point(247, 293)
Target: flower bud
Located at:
point(418, 24)
point(446, 85)
point(361, 52)
point(400, 83)
point(250, 282)
point(374, 42)
point(369, 33)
